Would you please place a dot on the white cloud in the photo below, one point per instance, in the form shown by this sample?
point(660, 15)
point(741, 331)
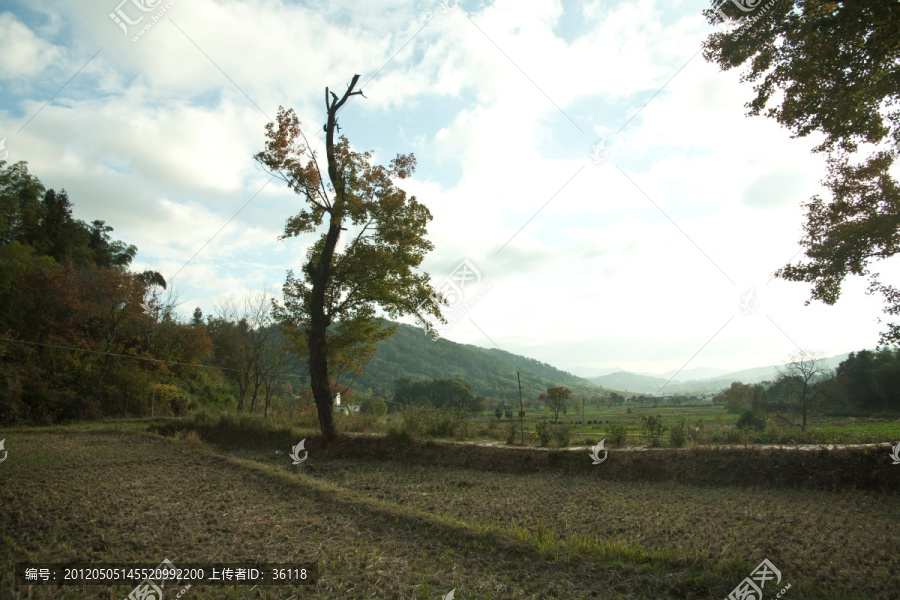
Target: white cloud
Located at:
point(161, 148)
point(24, 54)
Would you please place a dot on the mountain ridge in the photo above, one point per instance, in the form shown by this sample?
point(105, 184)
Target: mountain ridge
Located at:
point(650, 384)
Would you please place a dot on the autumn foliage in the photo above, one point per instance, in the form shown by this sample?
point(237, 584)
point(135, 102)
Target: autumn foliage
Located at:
point(75, 342)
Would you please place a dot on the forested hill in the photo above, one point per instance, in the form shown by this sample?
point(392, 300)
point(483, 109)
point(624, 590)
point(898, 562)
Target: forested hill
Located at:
point(490, 372)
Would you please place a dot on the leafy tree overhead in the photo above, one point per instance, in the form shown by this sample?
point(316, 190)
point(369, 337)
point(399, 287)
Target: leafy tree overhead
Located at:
point(832, 68)
point(376, 266)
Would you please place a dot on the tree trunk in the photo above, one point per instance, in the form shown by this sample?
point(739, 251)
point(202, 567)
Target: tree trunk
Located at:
point(318, 373)
point(317, 332)
point(320, 275)
point(804, 400)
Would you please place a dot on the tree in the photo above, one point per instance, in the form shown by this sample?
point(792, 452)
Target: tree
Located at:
point(249, 350)
point(373, 406)
point(375, 268)
point(870, 381)
point(737, 398)
point(798, 377)
point(556, 399)
point(108, 252)
point(64, 236)
point(835, 67)
point(20, 205)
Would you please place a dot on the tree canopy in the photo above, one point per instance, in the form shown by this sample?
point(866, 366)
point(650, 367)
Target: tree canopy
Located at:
point(832, 68)
point(75, 340)
point(376, 267)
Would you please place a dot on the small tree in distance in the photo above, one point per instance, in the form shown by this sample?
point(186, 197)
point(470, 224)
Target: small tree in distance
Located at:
point(556, 399)
point(798, 377)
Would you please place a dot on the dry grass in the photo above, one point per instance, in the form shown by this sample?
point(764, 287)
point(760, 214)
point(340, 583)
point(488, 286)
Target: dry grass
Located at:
point(388, 530)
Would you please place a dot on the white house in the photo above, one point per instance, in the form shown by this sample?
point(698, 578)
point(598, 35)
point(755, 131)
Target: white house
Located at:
point(347, 408)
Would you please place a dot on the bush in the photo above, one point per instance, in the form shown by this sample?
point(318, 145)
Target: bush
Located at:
point(618, 433)
point(512, 432)
point(356, 423)
point(562, 435)
point(374, 406)
point(654, 428)
point(414, 420)
point(191, 439)
point(733, 435)
point(696, 433)
point(678, 432)
point(399, 439)
point(751, 419)
point(434, 422)
point(542, 431)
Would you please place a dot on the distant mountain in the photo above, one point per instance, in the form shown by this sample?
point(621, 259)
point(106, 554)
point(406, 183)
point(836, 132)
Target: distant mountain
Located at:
point(588, 372)
point(770, 373)
point(649, 384)
point(632, 382)
point(694, 373)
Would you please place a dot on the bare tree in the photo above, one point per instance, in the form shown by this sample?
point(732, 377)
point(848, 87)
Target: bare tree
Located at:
point(798, 376)
point(249, 348)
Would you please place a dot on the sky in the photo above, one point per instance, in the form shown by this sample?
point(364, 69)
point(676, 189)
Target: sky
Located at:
point(599, 197)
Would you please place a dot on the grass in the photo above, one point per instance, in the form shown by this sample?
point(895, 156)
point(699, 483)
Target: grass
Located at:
point(214, 491)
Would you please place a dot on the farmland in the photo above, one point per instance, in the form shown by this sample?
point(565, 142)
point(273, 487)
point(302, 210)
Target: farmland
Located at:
point(381, 524)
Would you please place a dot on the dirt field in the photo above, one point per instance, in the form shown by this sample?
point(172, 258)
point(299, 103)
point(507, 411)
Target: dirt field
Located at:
point(390, 530)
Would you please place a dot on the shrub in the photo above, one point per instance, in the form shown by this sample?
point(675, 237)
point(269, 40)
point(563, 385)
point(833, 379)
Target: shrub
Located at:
point(653, 428)
point(751, 419)
point(435, 422)
point(696, 433)
point(358, 423)
point(618, 433)
point(374, 406)
point(414, 420)
point(562, 435)
point(190, 438)
point(542, 431)
point(399, 439)
point(678, 432)
point(733, 435)
point(512, 432)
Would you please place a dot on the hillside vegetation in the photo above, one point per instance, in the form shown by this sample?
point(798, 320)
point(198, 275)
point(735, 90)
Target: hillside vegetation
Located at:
point(490, 372)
